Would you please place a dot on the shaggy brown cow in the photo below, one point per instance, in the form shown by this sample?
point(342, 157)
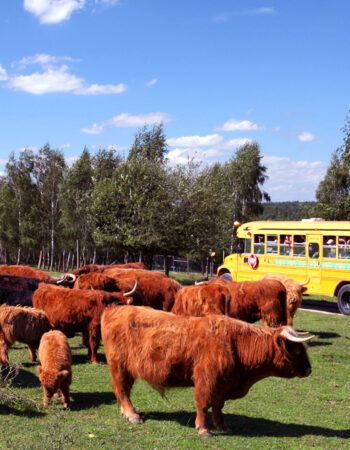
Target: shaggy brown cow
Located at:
point(294, 290)
point(25, 271)
point(158, 289)
point(102, 282)
point(73, 311)
point(245, 300)
point(221, 357)
point(55, 372)
point(25, 325)
point(101, 268)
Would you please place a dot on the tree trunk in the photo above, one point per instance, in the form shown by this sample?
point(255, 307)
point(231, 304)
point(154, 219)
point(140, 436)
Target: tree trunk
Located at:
point(18, 256)
point(166, 265)
point(68, 259)
point(40, 257)
point(94, 258)
point(78, 253)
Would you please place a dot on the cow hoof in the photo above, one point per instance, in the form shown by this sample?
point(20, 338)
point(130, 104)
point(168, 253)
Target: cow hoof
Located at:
point(135, 419)
point(205, 434)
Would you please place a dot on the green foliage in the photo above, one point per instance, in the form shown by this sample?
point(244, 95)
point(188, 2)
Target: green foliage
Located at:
point(138, 205)
point(333, 192)
point(287, 210)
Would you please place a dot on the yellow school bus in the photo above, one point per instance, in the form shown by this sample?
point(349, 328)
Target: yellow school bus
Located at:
point(310, 250)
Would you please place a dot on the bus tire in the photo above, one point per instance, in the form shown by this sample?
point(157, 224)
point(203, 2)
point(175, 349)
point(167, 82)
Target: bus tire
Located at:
point(344, 300)
point(226, 276)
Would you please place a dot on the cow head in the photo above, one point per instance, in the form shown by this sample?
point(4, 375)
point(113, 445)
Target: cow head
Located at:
point(291, 357)
point(50, 381)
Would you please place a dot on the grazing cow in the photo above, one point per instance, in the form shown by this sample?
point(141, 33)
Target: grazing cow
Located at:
point(55, 371)
point(245, 300)
point(25, 271)
point(102, 282)
point(25, 325)
point(294, 290)
point(73, 311)
point(221, 357)
point(19, 290)
point(101, 268)
point(158, 289)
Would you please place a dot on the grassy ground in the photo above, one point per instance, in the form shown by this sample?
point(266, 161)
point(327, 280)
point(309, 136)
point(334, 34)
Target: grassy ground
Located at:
point(276, 413)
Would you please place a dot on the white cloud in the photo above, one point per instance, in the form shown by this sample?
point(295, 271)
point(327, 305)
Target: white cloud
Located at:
point(195, 141)
point(53, 11)
point(43, 59)
point(3, 162)
point(55, 78)
point(233, 144)
point(56, 11)
point(125, 120)
point(71, 160)
point(94, 129)
point(306, 136)
point(293, 179)
point(3, 74)
point(238, 125)
point(224, 17)
point(152, 82)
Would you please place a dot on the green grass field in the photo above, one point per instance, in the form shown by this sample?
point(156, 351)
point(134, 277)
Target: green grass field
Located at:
point(276, 413)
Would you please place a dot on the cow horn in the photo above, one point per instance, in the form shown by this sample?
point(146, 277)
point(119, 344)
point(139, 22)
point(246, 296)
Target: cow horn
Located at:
point(67, 277)
point(305, 282)
point(127, 294)
point(198, 283)
point(292, 335)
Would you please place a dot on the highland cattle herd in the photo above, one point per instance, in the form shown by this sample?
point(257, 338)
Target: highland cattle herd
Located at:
point(154, 329)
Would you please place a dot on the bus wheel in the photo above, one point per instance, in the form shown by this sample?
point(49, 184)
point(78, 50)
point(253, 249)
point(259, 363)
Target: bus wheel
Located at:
point(344, 300)
point(226, 276)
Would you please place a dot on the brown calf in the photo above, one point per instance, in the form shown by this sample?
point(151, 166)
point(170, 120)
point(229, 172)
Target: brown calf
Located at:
point(21, 324)
point(55, 371)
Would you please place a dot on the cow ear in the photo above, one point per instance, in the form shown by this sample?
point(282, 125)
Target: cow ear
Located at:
point(39, 369)
point(63, 374)
point(129, 301)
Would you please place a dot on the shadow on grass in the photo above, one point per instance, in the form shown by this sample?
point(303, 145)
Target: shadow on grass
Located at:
point(322, 335)
point(86, 400)
point(24, 379)
point(83, 359)
point(253, 427)
point(5, 410)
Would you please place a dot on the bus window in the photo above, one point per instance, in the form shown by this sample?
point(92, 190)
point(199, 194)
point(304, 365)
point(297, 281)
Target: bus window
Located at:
point(314, 250)
point(259, 244)
point(329, 246)
point(285, 245)
point(245, 245)
point(272, 244)
point(299, 245)
point(344, 247)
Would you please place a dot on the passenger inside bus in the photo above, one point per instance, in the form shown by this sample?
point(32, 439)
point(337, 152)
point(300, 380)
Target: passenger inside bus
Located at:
point(329, 247)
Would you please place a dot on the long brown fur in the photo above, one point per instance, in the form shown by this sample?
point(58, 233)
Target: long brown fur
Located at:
point(22, 324)
point(25, 271)
point(221, 357)
point(158, 289)
point(294, 293)
point(55, 372)
point(73, 310)
point(100, 281)
point(88, 268)
point(245, 300)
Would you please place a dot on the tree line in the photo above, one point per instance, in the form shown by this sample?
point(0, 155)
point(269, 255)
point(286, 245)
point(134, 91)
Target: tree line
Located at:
point(107, 208)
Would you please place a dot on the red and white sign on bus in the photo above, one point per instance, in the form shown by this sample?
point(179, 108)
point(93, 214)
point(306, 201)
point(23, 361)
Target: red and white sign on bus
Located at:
point(252, 261)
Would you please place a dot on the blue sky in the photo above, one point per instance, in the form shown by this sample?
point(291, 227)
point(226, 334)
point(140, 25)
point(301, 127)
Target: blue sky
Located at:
point(78, 73)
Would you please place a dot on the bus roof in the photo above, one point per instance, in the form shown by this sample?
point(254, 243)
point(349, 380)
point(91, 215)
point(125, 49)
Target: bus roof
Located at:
point(291, 227)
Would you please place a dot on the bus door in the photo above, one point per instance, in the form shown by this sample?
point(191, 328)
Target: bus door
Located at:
point(314, 245)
